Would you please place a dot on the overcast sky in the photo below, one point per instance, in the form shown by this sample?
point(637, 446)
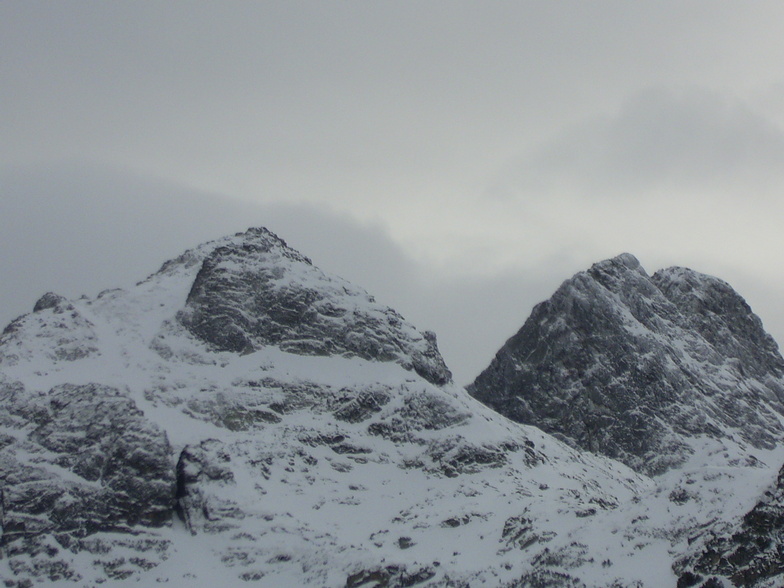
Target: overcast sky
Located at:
point(456, 159)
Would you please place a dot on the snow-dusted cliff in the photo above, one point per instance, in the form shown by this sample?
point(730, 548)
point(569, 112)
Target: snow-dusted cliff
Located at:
point(640, 368)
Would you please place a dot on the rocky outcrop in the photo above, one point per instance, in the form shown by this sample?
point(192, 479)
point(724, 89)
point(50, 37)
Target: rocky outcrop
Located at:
point(752, 554)
point(55, 329)
point(257, 291)
point(633, 366)
point(78, 464)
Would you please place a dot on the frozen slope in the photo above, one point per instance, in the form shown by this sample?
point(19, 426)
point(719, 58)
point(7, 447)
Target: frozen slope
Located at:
point(241, 416)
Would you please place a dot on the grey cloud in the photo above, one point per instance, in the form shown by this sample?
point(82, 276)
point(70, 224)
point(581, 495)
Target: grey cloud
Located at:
point(688, 141)
point(691, 136)
point(241, 95)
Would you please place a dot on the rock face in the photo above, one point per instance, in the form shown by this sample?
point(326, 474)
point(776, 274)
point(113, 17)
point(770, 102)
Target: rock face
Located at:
point(79, 464)
point(637, 367)
point(750, 554)
point(242, 416)
point(261, 292)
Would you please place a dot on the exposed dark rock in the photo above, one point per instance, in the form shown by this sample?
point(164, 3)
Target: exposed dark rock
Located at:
point(414, 578)
point(201, 471)
point(48, 300)
point(628, 365)
point(520, 532)
point(258, 291)
point(753, 554)
point(427, 411)
point(546, 579)
point(378, 578)
point(405, 542)
point(389, 577)
point(248, 418)
point(363, 406)
point(85, 461)
point(688, 579)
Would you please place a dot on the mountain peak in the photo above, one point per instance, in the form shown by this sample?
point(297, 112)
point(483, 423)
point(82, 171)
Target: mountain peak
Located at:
point(48, 300)
point(252, 290)
point(636, 367)
point(261, 239)
point(624, 260)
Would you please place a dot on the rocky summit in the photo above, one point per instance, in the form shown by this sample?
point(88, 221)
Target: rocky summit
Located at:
point(260, 292)
point(673, 375)
point(638, 367)
point(242, 417)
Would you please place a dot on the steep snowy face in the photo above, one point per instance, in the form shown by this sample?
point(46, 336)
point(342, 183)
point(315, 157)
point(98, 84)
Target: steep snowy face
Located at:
point(711, 308)
point(242, 416)
point(638, 367)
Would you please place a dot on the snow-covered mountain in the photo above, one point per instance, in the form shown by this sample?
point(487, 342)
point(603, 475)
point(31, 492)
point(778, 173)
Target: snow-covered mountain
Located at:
point(673, 375)
point(241, 416)
point(637, 367)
